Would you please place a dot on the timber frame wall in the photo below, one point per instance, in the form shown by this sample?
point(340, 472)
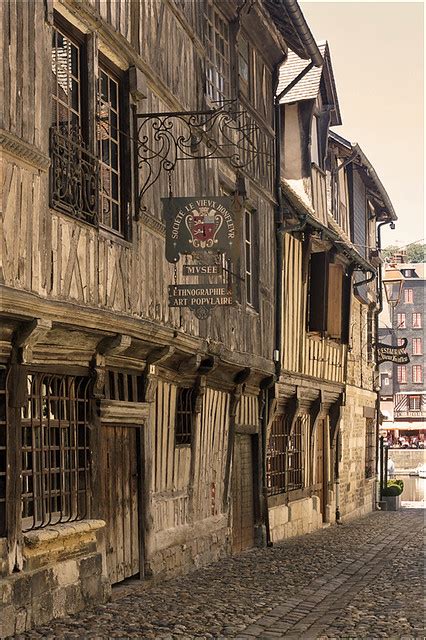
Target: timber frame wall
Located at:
point(84, 300)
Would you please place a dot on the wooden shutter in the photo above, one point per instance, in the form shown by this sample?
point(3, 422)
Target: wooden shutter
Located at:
point(318, 292)
point(335, 296)
point(346, 307)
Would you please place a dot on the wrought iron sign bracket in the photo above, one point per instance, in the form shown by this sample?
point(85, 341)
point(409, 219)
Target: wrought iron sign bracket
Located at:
point(164, 139)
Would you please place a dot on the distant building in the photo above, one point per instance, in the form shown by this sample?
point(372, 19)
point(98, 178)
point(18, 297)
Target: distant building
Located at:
point(402, 387)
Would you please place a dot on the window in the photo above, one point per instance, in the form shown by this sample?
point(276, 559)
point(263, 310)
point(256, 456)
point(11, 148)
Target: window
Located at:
point(55, 450)
point(217, 55)
point(243, 65)
point(86, 180)
point(370, 448)
point(328, 303)
point(402, 374)
point(400, 342)
point(185, 406)
point(314, 141)
point(417, 347)
point(285, 457)
point(417, 373)
point(401, 321)
point(408, 296)
point(386, 381)
point(417, 320)
point(414, 403)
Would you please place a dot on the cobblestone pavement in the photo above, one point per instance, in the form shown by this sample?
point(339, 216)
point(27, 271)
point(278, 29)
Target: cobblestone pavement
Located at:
point(363, 579)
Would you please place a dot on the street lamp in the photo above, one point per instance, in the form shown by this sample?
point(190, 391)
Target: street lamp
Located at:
point(392, 284)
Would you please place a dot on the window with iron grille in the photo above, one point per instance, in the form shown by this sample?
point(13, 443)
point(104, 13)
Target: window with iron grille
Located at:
point(217, 55)
point(285, 457)
point(3, 463)
point(370, 448)
point(124, 386)
point(86, 180)
point(184, 420)
point(55, 450)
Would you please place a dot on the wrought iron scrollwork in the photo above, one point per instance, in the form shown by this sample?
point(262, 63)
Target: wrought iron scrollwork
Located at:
point(164, 139)
point(74, 183)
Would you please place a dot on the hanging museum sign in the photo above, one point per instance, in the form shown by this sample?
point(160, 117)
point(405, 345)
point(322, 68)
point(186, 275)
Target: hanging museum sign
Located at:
point(201, 225)
point(396, 354)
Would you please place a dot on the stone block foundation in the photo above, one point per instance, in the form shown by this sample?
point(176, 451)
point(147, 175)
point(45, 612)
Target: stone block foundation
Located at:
point(64, 572)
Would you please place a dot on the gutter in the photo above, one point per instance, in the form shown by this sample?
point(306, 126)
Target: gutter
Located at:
point(301, 27)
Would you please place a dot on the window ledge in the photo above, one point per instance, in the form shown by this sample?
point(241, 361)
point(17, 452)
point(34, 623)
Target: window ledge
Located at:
point(63, 530)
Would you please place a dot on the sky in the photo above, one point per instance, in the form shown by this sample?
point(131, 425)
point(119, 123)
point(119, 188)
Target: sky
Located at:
point(378, 63)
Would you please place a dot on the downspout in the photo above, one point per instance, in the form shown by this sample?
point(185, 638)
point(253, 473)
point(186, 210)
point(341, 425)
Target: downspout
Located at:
point(378, 311)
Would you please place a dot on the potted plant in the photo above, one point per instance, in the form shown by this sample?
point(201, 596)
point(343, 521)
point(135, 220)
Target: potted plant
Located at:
point(391, 494)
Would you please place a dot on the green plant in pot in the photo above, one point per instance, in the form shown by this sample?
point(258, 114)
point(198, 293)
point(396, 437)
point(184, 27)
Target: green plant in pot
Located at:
point(393, 488)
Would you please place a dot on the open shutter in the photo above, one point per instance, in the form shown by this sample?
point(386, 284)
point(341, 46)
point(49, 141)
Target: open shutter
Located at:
point(318, 292)
point(335, 295)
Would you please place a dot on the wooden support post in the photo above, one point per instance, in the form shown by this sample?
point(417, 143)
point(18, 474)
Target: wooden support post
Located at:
point(17, 387)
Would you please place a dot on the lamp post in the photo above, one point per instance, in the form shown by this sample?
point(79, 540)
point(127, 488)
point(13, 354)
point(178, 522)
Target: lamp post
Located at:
point(392, 284)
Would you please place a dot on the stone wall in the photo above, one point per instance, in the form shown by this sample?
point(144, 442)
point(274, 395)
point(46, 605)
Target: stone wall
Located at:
point(185, 549)
point(407, 458)
point(64, 571)
point(356, 492)
point(295, 519)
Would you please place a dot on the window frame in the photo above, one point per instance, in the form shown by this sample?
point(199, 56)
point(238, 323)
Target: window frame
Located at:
point(401, 374)
point(401, 321)
point(417, 316)
point(213, 92)
point(408, 295)
point(417, 398)
point(417, 347)
point(417, 369)
point(88, 159)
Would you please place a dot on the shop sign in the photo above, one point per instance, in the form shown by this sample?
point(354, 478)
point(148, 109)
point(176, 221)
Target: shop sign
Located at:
point(195, 296)
point(201, 225)
point(396, 354)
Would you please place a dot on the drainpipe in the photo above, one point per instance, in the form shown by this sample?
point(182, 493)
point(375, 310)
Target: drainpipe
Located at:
point(378, 311)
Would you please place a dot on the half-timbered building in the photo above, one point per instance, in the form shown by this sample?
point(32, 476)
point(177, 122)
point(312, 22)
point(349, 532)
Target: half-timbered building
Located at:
point(132, 432)
point(320, 462)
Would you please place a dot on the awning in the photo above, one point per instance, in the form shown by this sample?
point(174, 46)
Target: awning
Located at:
point(403, 426)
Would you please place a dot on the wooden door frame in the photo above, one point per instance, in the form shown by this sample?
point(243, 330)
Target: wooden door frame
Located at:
point(256, 459)
point(133, 415)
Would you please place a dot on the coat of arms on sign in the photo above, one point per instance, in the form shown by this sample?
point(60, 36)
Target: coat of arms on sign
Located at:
point(201, 224)
point(204, 225)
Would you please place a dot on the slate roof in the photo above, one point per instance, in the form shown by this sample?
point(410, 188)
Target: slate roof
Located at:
point(309, 86)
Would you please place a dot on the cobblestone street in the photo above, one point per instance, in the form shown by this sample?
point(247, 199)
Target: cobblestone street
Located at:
point(363, 579)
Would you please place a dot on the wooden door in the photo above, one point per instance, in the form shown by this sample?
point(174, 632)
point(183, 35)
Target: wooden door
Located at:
point(320, 466)
point(242, 494)
point(122, 496)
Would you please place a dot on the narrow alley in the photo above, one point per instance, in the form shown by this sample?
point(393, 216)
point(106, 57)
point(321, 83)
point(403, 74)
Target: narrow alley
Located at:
point(363, 579)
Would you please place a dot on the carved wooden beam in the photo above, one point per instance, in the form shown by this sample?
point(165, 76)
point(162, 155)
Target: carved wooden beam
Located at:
point(150, 378)
point(242, 376)
point(292, 411)
point(113, 345)
point(208, 365)
point(200, 389)
point(335, 414)
point(190, 365)
point(28, 335)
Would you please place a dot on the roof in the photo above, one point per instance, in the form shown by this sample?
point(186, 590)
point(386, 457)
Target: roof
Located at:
point(308, 86)
point(419, 268)
point(291, 23)
point(361, 159)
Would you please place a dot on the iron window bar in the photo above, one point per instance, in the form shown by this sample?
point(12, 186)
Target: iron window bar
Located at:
point(55, 450)
point(184, 420)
